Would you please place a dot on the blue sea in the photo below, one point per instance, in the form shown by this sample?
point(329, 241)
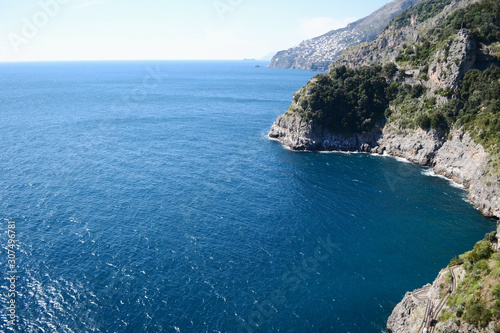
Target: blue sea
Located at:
point(146, 197)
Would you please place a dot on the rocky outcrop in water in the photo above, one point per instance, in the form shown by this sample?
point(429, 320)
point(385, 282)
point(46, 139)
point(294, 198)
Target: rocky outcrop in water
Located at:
point(297, 134)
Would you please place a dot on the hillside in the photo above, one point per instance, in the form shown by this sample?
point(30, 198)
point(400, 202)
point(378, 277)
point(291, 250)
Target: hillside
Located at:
point(438, 86)
point(445, 77)
point(316, 54)
point(426, 89)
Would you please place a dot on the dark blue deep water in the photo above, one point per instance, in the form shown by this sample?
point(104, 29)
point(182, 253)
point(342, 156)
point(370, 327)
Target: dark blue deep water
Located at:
point(147, 198)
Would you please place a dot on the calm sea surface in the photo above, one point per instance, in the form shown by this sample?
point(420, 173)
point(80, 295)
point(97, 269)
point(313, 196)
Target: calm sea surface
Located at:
point(146, 197)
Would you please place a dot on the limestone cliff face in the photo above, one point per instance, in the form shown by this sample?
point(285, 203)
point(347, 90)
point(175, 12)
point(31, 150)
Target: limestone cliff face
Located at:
point(456, 156)
point(449, 66)
point(467, 163)
point(297, 134)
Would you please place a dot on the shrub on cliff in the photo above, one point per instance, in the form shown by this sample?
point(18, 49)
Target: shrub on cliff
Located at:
point(480, 106)
point(496, 291)
point(420, 12)
point(389, 70)
point(455, 261)
point(482, 250)
point(477, 314)
point(346, 100)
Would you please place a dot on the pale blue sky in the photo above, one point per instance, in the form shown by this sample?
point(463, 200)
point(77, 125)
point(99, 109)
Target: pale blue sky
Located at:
point(49, 30)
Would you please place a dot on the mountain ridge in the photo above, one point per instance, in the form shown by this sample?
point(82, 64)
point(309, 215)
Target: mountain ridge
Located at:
point(317, 53)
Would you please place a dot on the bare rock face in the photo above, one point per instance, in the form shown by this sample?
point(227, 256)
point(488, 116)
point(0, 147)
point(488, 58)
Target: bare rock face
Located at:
point(417, 146)
point(449, 66)
point(408, 314)
point(466, 162)
point(297, 134)
point(458, 158)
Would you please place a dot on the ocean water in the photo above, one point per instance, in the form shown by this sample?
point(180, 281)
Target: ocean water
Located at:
point(146, 197)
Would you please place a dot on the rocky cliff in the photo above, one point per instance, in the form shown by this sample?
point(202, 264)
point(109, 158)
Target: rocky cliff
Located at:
point(455, 155)
point(448, 147)
point(396, 38)
point(316, 54)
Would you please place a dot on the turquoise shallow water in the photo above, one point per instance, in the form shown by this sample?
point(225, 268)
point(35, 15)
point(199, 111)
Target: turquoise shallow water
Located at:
point(147, 198)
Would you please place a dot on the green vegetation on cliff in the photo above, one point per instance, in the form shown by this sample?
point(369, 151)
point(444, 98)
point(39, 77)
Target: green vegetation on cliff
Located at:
point(475, 106)
point(479, 107)
point(419, 13)
point(345, 100)
point(355, 100)
point(477, 298)
point(480, 19)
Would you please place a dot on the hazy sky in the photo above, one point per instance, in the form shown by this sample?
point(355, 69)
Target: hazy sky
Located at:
point(33, 30)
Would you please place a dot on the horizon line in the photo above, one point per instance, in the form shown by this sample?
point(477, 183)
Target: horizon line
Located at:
point(127, 60)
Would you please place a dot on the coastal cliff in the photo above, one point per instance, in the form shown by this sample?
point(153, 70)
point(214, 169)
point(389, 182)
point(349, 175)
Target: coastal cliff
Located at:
point(297, 134)
point(418, 109)
point(457, 157)
point(427, 90)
